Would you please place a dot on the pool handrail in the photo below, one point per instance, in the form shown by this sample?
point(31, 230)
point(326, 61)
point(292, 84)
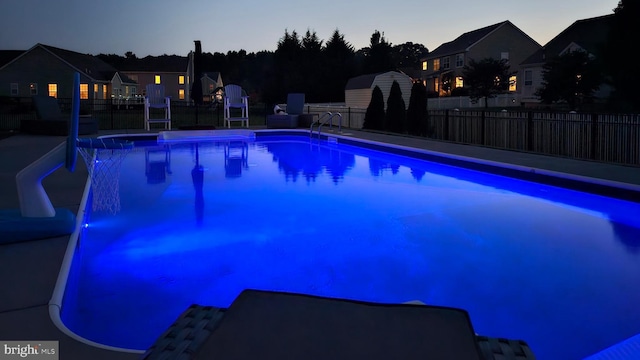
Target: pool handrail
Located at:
point(328, 116)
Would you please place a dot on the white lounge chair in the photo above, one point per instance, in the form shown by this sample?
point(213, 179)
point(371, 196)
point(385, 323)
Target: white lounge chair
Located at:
point(236, 98)
point(156, 99)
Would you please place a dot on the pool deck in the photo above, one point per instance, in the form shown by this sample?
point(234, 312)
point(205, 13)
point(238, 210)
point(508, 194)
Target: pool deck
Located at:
point(28, 270)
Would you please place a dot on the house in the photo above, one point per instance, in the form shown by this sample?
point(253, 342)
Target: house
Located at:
point(49, 70)
point(357, 92)
point(211, 82)
point(586, 35)
point(442, 69)
point(172, 71)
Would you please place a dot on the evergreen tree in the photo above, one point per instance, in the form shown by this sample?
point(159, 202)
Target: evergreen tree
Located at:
point(417, 111)
point(374, 117)
point(339, 60)
point(624, 75)
point(312, 81)
point(396, 111)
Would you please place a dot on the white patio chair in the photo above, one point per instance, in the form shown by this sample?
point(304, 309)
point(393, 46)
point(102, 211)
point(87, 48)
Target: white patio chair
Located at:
point(155, 99)
point(236, 98)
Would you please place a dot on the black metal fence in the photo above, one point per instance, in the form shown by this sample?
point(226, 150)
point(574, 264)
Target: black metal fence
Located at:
point(611, 138)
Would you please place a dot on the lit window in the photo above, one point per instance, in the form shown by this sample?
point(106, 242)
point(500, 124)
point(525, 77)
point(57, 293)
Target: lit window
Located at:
point(459, 82)
point(95, 88)
point(84, 91)
point(181, 79)
point(436, 85)
point(459, 60)
point(53, 90)
point(424, 65)
point(126, 91)
point(33, 89)
point(528, 78)
point(104, 92)
point(445, 62)
point(14, 89)
point(436, 64)
point(512, 83)
point(157, 79)
point(181, 94)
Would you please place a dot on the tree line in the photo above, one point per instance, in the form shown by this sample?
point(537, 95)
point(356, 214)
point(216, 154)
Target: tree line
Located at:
point(307, 64)
point(321, 69)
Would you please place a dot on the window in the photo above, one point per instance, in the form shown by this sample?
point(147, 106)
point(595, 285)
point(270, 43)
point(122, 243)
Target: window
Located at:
point(459, 82)
point(104, 92)
point(33, 89)
point(84, 91)
point(157, 79)
point(181, 94)
point(504, 56)
point(512, 83)
point(459, 60)
point(134, 91)
point(436, 64)
point(14, 89)
point(181, 79)
point(528, 78)
point(445, 62)
point(126, 91)
point(424, 65)
point(96, 88)
point(436, 85)
point(53, 90)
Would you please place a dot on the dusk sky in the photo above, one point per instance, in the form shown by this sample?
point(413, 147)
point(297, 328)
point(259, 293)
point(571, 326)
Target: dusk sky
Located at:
point(157, 27)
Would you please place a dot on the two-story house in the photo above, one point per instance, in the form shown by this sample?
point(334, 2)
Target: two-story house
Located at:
point(586, 35)
point(171, 71)
point(47, 70)
point(442, 69)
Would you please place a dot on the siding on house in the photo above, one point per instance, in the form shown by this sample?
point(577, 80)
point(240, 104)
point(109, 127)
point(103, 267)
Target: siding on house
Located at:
point(358, 90)
point(494, 41)
point(43, 65)
point(586, 34)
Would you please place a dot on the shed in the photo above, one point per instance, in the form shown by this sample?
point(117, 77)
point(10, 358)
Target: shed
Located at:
point(357, 92)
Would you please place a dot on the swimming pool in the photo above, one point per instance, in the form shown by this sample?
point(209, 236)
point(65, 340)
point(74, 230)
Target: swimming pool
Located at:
point(200, 221)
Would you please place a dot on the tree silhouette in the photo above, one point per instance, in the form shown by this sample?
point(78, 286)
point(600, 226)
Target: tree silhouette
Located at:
point(624, 75)
point(339, 60)
point(571, 77)
point(378, 56)
point(417, 110)
point(396, 111)
point(486, 78)
point(374, 117)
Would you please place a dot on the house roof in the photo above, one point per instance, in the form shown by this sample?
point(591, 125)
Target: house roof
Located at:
point(86, 64)
point(464, 41)
point(213, 75)
point(7, 55)
point(361, 82)
point(589, 34)
point(163, 63)
point(365, 81)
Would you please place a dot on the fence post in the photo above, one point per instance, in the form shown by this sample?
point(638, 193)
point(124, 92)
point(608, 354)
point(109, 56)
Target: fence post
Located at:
point(530, 131)
point(482, 115)
point(349, 113)
point(445, 130)
point(111, 114)
point(594, 135)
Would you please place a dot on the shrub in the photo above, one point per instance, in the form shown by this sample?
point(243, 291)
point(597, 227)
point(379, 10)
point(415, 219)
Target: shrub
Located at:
point(374, 117)
point(396, 111)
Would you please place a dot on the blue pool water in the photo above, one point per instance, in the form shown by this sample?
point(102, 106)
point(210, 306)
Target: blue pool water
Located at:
point(200, 222)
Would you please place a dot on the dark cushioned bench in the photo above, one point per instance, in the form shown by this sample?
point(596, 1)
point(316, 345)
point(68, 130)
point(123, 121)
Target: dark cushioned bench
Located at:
point(276, 325)
point(51, 121)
